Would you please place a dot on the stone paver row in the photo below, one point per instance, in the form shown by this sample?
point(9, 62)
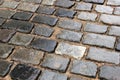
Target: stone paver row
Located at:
point(59, 39)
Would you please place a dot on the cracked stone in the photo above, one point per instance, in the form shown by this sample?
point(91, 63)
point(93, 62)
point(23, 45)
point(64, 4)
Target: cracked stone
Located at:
point(84, 68)
point(5, 50)
point(55, 62)
point(70, 35)
point(70, 50)
point(44, 44)
point(6, 34)
point(45, 20)
point(24, 72)
point(4, 67)
point(43, 30)
point(27, 55)
point(21, 39)
point(50, 75)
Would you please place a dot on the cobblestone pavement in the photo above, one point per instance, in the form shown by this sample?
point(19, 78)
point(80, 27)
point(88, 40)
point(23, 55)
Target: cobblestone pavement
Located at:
point(59, 39)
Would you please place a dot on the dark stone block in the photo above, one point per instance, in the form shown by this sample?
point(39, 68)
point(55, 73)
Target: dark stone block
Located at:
point(4, 67)
point(45, 20)
point(22, 15)
point(65, 13)
point(45, 10)
point(24, 72)
point(6, 35)
point(44, 44)
point(21, 26)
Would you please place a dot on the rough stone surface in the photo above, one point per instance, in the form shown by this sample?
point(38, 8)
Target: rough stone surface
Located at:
point(45, 10)
point(117, 11)
point(6, 13)
point(71, 50)
point(95, 1)
point(45, 20)
point(74, 78)
point(49, 75)
point(104, 9)
point(110, 72)
point(9, 4)
point(110, 19)
point(55, 62)
point(24, 72)
point(99, 40)
point(103, 55)
point(21, 39)
point(22, 15)
point(52, 34)
point(69, 24)
point(64, 3)
point(118, 44)
point(44, 44)
point(43, 30)
point(28, 7)
point(21, 26)
point(90, 27)
point(5, 50)
point(84, 6)
point(27, 55)
point(84, 68)
point(65, 13)
point(70, 35)
point(2, 21)
point(113, 2)
point(4, 67)
point(87, 16)
point(6, 34)
point(1, 1)
point(32, 1)
point(114, 30)
point(48, 2)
